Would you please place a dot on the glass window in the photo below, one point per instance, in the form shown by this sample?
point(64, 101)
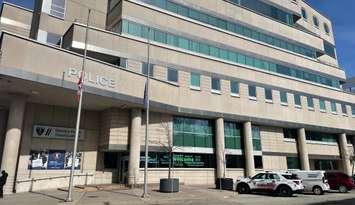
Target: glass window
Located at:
point(353, 110)
point(145, 69)
point(235, 161)
point(252, 91)
point(233, 135)
point(173, 75)
point(290, 133)
point(343, 109)
point(234, 86)
point(304, 13)
point(333, 106)
point(191, 132)
point(315, 21)
point(322, 105)
point(216, 84)
point(293, 163)
point(110, 160)
point(195, 80)
point(329, 49)
point(283, 97)
point(297, 98)
point(321, 137)
point(310, 102)
point(258, 162)
point(326, 28)
point(256, 138)
point(268, 94)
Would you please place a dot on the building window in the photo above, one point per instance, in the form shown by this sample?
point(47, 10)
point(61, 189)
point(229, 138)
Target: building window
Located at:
point(110, 160)
point(326, 28)
point(329, 49)
point(49, 38)
point(310, 102)
point(283, 97)
point(343, 109)
point(195, 80)
point(258, 162)
point(173, 75)
point(293, 163)
point(321, 137)
point(323, 164)
point(252, 91)
point(353, 110)
point(234, 86)
point(297, 99)
point(268, 94)
point(235, 161)
point(322, 105)
point(290, 133)
point(145, 69)
point(333, 107)
point(315, 21)
point(256, 138)
point(304, 13)
point(191, 132)
point(112, 4)
point(54, 7)
point(216, 84)
point(233, 135)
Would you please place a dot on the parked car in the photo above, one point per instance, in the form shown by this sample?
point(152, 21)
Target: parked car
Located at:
point(339, 181)
point(313, 181)
point(271, 182)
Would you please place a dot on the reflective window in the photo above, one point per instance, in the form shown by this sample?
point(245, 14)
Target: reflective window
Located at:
point(268, 94)
point(54, 7)
point(315, 21)
point(233, 135)
point(195, 80)
point(333, 106)
point(256, 138)
point(322, 137)
point(329, 49)
point(322, 105)
point(290, 133)
point(145, 69)
point(190, 132)
point(326, 28)
point(223, 54)
point(297, 98)
point(343, 109)
point(293, 163)
point(258, 162)
point(235, 161)
point(310, 102)
point(216, 84)
point(304, 13)
point(173, 75)
point(283, 97)
point(252, 91)
point(234, 86)
point(353, 110)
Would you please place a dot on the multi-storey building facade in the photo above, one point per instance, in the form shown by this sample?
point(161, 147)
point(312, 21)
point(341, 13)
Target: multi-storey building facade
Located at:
point(237, 87)
point(350, 85)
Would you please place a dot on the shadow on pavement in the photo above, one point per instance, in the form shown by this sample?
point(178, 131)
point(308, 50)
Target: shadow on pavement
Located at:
point(342, 202)
point(48, 195)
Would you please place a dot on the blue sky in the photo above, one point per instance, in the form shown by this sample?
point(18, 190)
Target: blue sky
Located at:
point(341, 15)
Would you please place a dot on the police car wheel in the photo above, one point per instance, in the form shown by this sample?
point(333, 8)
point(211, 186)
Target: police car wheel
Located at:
point(284, 191)
point(318, 190)
point(243, 189)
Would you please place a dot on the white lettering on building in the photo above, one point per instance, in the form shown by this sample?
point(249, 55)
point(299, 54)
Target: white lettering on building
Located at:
point(94, 79)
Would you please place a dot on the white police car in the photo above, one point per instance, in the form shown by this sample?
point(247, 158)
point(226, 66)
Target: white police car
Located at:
point(272, 182)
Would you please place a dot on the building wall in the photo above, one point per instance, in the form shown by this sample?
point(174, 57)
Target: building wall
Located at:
point(15, 19)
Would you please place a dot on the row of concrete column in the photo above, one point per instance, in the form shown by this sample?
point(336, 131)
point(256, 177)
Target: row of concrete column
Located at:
point(135, 140)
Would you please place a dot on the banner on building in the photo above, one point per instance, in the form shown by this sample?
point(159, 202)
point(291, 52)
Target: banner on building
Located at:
point(56, 159)
point(38, 160)
point(43, 131)
point(53, 160)
point(69, 160)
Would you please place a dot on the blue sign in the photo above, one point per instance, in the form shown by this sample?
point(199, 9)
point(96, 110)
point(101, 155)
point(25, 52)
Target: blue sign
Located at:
point(56, 159)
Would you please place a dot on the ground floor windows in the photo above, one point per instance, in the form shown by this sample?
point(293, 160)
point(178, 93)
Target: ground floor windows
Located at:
point(325, 164)
point(258, 162)
point(110, 160)
point(180, 160)
point(235, 161)
point(290, 133)
point(190, 132)
point(321, 137)
point(233, 135)
point(256, 138)
point(293, 163)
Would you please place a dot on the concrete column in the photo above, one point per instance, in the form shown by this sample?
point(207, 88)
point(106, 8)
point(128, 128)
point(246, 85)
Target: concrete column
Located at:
point(344, 154)
point(12, 142)
point(302, 149)
point(134, 146)
point(248, 149)
point(220, 153)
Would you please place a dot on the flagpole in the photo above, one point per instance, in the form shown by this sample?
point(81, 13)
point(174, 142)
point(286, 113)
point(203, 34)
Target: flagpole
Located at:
point(145, 188)
point(77, 128)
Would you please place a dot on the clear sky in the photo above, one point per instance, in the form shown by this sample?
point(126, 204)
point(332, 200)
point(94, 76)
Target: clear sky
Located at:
point(340, 12)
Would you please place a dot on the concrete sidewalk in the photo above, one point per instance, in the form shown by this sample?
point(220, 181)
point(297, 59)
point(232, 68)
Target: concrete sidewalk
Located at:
point(195, 195)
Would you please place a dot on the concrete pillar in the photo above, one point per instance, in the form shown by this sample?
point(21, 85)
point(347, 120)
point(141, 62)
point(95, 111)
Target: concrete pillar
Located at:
point(134, 146)
point(302, 149)
point(12, 142)
point(220, 153)
point(344, 154)
point(248, 150)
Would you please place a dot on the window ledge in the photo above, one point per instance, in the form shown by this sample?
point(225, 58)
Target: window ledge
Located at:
point(311, 108)
point(269, 101)
point(334, 113)
point(322, 143)
point(298, 106)
point(289, 140)
point(252, 98)
point(195, 88)
point(284, 104)
point(345, 115)
point(173, 83)
point(235, 95)
point(353, 116)
point(323, 111)
point(218, 92)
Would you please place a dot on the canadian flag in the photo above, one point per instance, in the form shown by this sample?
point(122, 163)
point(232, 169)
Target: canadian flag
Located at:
point(80, 85)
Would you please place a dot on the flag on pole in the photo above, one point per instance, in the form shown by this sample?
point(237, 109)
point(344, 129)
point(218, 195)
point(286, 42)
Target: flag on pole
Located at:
point(80, 85)
point(145, 97)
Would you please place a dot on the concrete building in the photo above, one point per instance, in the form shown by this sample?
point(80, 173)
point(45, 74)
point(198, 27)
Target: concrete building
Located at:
point(350, 85)
point(237, 87)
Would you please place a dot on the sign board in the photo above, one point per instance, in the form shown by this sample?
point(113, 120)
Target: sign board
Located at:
point(93, 79)
point(43, 131)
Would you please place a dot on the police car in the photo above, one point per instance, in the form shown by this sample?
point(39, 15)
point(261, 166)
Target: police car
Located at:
point(272, 182)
